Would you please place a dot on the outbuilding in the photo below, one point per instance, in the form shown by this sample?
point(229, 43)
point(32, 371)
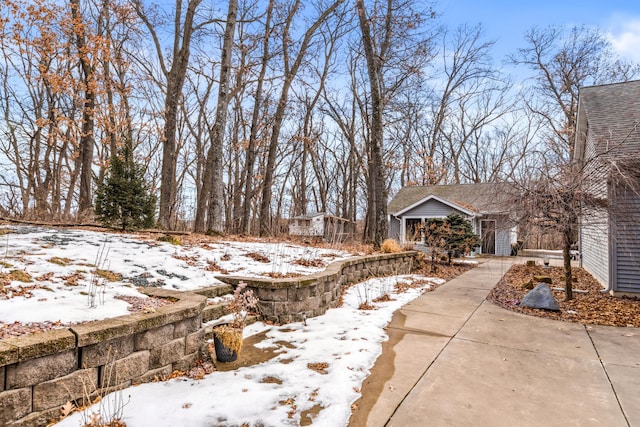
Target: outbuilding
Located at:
point(320, 225)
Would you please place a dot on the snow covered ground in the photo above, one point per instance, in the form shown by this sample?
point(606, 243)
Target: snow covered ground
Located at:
point(318, 373)
point(60, 266)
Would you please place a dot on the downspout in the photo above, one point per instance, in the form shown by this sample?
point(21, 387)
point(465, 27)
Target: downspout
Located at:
point(401, 234)
point(478, 229)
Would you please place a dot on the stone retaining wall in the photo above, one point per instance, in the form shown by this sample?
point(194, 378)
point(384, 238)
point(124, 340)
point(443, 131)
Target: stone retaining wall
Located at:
point(41, 372)
point(293, 300)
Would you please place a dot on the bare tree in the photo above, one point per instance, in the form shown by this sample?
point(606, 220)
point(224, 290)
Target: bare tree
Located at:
point(394, 52)
point(291, 67)
point(502, 152)
point(183, 31)
point(210, 193)
point(88, 110)
point(562, 61)
point(552, 195)
point(251, 153)
point(376, 227)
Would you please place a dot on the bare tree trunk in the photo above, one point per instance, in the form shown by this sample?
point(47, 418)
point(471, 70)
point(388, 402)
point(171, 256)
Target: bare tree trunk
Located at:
point(376, 227)
point(566, 256)
point(88, 110)
point(175, 76)
point(255, 119)
point(211, 190)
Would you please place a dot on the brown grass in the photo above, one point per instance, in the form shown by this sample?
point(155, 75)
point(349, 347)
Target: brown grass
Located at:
point(108, 275)
point(258, 257)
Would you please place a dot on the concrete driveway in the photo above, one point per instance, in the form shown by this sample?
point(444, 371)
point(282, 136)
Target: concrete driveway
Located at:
point(454, 359)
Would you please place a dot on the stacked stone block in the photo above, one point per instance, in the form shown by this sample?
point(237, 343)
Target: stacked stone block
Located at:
point(39, 373)
point(292, 300)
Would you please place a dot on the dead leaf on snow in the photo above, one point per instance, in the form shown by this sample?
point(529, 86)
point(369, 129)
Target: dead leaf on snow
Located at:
point(66, 409)
point(320, 367)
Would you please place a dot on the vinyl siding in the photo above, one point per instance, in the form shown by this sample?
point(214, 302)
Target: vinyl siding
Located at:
point(431, 209)
point(503, 236)
point(626, 238)
point(503, 242)
point(607, 138)
point(594, 233)
point(594, 244)
point(394, 228)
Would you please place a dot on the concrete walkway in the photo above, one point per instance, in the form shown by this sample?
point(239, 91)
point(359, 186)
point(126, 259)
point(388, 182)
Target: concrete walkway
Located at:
point(454, 359)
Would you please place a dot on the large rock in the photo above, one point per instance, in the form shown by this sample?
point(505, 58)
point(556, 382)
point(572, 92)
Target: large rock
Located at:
point(540, 297)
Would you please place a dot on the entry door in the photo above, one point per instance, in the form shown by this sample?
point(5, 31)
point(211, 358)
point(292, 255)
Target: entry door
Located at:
point(488, 234)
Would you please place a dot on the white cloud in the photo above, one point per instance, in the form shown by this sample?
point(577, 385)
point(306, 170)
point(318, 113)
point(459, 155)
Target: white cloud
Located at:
point(624, 34)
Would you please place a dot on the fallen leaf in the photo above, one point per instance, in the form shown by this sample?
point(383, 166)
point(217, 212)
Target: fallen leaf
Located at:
point(66, 409)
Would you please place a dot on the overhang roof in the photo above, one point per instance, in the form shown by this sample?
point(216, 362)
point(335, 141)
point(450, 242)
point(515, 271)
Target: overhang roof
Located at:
point(484, 198)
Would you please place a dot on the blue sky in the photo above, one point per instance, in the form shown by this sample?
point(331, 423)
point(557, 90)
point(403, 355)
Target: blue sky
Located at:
point(506, 21)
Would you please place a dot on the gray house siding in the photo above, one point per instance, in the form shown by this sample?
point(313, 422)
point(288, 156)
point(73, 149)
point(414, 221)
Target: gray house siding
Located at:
point(627, 275)
point(608, 148)
point(394, 228)
point(626, 241)
point(503, 238)
point(431, 209)
point(594, 232)
point(594, 242)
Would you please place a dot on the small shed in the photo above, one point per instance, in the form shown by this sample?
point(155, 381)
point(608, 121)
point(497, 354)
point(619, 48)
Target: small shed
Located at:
point(607, 148)
point(484, 205)
point(320, 225)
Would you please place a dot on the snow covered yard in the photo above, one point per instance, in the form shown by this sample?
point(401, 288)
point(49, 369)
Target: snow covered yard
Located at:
point(66, 276)
point(319, 366)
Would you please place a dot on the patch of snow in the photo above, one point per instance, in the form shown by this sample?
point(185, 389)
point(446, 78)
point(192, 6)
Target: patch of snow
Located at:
point(51, 256)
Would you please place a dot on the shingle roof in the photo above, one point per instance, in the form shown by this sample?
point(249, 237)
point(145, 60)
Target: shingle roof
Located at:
point(612, 113)
point(481, 198)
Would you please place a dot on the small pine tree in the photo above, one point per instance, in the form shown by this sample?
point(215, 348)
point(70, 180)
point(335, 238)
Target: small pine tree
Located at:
point(123, 199)
point(461, 239)
point(449, 236)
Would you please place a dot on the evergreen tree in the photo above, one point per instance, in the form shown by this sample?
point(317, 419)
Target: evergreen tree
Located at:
point(123, 198)
point(452, 236)
point(461, 238)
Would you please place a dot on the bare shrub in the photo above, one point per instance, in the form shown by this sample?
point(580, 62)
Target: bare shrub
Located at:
point(390, 246)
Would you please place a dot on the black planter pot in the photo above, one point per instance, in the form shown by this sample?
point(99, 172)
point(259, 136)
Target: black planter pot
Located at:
point(223, 354)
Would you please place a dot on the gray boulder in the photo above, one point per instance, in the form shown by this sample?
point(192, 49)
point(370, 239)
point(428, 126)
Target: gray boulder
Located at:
point(540, 297)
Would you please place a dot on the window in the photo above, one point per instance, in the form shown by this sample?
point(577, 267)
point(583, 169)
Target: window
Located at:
point(413, 233)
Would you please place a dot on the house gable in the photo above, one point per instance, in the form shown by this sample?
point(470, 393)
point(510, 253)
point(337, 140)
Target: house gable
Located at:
point(433, 206)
